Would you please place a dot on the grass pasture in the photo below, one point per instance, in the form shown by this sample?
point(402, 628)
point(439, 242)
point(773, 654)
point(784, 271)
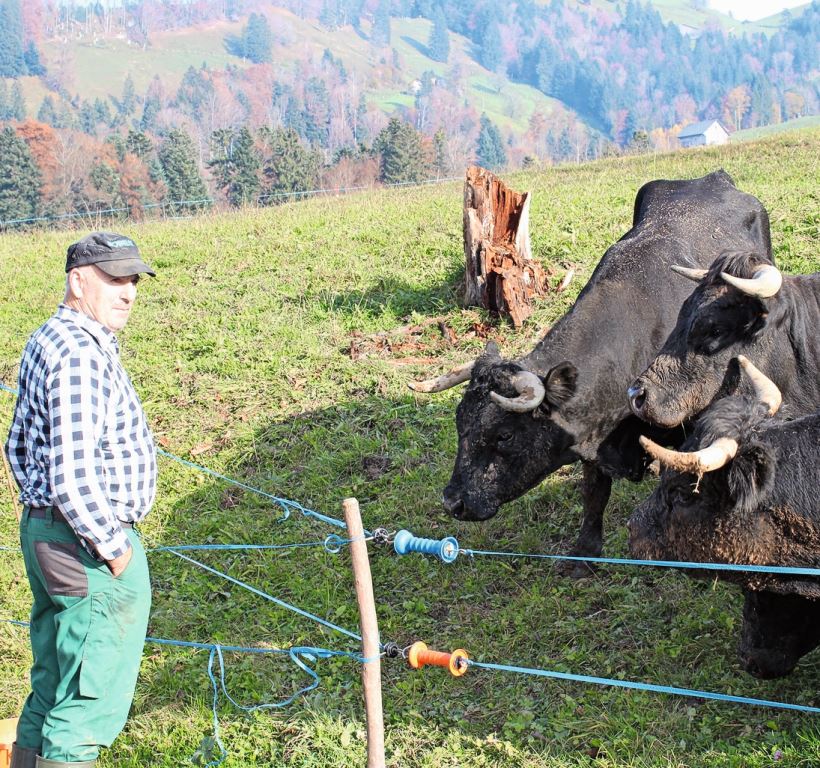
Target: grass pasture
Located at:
point(274, 348)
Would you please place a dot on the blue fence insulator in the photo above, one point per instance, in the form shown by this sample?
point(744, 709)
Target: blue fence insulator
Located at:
point(446, 549)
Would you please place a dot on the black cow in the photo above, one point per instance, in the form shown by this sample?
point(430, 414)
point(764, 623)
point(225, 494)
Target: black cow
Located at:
point(520, 420)
point(745, 492)
point(742, 305)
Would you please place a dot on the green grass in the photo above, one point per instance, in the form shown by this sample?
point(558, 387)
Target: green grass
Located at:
point(240, 349)
point(811, 121)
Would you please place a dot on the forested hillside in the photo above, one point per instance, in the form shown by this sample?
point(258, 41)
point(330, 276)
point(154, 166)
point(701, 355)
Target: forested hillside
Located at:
point(152, 102)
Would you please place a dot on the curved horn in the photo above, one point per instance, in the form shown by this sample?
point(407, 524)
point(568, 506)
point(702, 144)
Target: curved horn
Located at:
point(764, 387)
point(692, 274)
point(445, 381)
point(530, 390)
point(765, 283)
point(707, 459)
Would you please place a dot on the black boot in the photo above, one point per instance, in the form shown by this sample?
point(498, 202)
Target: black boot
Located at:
point(21, 757)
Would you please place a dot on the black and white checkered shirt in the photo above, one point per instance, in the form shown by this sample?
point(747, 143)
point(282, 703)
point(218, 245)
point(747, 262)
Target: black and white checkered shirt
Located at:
point(79, 439)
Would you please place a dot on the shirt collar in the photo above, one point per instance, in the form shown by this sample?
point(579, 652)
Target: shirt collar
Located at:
point(98, 331)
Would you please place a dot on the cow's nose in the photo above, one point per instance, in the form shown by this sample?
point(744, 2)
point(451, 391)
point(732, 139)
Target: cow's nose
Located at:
point(453, 504)
point(637, 398)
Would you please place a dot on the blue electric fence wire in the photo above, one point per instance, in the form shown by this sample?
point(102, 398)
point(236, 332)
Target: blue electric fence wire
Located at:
point(273, 599)
point(286, 505)
point(332, 544)
point(643, 686)
point(778, 569)
point(223, 753)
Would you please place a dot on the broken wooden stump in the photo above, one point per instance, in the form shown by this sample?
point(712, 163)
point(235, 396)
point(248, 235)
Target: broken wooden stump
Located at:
point(501, 275)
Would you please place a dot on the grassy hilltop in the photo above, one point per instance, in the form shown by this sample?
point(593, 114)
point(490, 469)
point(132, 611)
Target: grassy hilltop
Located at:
point(274, 347)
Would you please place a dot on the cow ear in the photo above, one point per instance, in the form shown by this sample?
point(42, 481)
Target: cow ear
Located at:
point(560, 383)
point(491, 353)
point(758, 319)
point(751, 476)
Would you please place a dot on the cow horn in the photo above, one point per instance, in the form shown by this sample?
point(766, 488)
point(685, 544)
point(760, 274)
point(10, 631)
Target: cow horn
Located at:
point(530, 390)
point(707, 459)
point(765, 283)
point(692, 274)
point(458, 375)
point(765, 388)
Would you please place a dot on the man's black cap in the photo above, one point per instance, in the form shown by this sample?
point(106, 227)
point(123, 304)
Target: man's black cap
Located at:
point(116, 255)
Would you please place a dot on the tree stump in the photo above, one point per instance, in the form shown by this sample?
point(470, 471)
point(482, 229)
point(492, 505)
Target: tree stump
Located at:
point(501, 275)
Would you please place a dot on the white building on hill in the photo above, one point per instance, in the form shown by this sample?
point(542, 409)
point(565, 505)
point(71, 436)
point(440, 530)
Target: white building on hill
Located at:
point(703, 134)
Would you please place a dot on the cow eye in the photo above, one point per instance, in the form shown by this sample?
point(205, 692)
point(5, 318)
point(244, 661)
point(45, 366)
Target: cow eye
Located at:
point(505, 436)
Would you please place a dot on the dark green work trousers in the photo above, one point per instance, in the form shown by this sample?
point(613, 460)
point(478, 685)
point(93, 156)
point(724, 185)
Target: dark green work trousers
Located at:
point(87, 633)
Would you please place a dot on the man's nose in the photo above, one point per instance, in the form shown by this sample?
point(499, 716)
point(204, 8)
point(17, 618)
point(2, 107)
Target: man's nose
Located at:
point(129, 292)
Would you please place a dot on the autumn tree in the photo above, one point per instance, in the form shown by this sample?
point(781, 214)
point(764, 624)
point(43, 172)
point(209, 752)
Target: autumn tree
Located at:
point(795, 104)
point(42, 143)
point(736, 104)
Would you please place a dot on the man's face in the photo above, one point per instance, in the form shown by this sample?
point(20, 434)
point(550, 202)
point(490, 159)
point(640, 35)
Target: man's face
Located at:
point(106, 299)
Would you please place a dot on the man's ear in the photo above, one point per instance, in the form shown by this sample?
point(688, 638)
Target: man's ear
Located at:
point(75, 283)
point(560, 383)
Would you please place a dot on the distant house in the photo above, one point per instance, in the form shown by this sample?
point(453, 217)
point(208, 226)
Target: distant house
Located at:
point(703, 134)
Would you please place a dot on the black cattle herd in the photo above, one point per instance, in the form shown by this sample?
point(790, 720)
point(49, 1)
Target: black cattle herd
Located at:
point(720, 386)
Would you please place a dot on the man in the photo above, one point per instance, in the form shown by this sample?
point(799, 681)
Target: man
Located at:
point(84, 458)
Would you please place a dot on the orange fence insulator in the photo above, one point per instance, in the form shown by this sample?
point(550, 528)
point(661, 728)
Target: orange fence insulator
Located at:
point(456, 662)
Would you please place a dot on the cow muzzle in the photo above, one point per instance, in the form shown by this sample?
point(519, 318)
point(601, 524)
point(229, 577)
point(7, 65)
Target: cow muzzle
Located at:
point(637, 398)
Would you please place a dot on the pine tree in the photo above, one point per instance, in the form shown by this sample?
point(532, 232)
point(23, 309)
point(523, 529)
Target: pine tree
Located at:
point(236, 165)
point(186, 188)
point(442, 161)
point(47, 113)
point(490, 151)
point(88, 120)
point(380, 34)
point(31, 57)
point(402, 156)
point(127, 105)
point(439, 43)
point(137, 143)
point(489, 49)
point(288, 165)
point(257, 40)
point(5, 107)
point(12, 61)
point(17, 107)
point(20, 178)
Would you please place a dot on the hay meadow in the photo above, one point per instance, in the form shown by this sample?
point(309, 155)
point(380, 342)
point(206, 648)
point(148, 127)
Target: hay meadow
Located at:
point(274, 347)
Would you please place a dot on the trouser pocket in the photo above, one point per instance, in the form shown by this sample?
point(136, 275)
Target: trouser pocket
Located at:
point(63, 571)
point(101, 650)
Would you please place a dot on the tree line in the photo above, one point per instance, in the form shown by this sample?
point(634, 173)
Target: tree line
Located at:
point(47, 173)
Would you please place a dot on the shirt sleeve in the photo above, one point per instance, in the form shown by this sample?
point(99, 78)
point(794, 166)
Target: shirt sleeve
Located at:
point(16, 444)
point(78, 396)
point(16, 450)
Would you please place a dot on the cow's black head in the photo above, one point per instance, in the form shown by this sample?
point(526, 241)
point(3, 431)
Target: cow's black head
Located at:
point(777, 631)
point(712, 517)
point(697, 362)
point(503, 453)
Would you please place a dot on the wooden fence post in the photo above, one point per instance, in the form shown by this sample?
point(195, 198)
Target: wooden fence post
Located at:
point(371, 669)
